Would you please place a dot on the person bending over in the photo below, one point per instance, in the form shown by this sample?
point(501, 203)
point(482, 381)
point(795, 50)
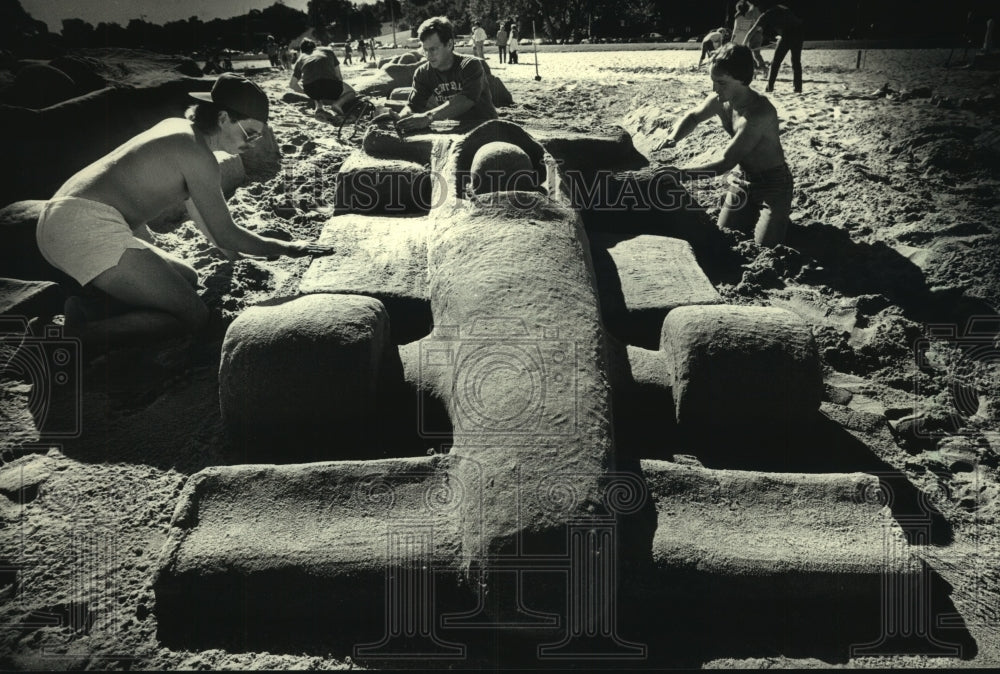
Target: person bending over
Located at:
point(448, 85)
point(711, 42)
point(762, 197)
point(86, 229)
point(317, 75)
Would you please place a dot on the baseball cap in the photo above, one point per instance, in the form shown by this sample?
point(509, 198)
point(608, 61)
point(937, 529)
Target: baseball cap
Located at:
point(237, 93)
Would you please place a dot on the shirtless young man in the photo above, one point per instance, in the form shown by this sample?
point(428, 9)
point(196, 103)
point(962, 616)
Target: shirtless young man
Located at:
point(762, 199)
point(85, 230)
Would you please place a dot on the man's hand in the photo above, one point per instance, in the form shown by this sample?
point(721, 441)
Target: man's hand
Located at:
point(418, 120)
point(303, 248)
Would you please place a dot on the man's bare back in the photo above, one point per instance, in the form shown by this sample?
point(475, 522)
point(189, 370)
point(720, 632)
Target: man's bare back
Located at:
point(766, 153)
point(146, 174)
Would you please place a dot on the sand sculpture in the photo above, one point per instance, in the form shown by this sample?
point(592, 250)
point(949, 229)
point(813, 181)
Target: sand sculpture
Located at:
point(473, 322)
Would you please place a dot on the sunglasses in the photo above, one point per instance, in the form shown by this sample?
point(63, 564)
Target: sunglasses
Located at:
point(257, 135)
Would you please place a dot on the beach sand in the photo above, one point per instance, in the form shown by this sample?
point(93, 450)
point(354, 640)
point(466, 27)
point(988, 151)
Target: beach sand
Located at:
point(896, 226)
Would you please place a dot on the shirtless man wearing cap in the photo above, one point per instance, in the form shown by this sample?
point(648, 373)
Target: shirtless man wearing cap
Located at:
point(86, 229)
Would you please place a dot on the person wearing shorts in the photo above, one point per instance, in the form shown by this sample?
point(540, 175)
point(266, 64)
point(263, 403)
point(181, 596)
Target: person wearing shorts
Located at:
point(317, 75)
point(760, 197)
point(86, 229)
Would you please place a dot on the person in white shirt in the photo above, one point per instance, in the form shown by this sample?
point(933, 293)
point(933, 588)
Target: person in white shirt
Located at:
point(711, 42)
point(478, 40)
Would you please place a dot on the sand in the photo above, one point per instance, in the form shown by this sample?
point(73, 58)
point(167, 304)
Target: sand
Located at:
point(897, 225)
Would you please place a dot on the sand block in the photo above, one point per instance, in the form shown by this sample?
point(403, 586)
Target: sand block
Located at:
point(376, 83)
point(611, 150)
point(382, 257)
point(371, 185)
point(502, 97)
point(38, 85)
point(300, 378)
point(747, 364)
point(259, 551)
point(401, 73)
point(400, 93)
point(263, 158)
point(643, 278)
point(30, 298)
point(233, 173)
point(386, 144)
point(781, 537)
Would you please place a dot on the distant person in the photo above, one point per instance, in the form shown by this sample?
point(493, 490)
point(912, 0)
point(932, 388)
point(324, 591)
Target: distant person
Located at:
point(287, 56)
point(478, 40)
point(272, 50)
point(363, 50)
point(317, 75)
point(347, 53)
point(371, 47)
point(213, 64)
point(785, 23)
point(447, 85)
point(502, 38)
point(712, 41)
point(762, 198)
point(746, 17)
point(512, 43)
point(86, 229)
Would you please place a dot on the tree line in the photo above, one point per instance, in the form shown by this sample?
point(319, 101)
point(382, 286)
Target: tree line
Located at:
point(335, 20)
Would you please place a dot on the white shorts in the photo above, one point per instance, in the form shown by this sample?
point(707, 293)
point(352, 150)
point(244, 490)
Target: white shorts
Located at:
point(83, 238)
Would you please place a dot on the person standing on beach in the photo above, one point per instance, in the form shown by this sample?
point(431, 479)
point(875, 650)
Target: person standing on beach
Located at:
point(456, 83)
point(762, 198)
point(363, 50)
point(502, 43)
point(347, 53)
point(746, 17)
point(86, 229)
point(512, 42)
point(317, 75)
point(785, 23)
point(272, 50)
point(478, 40)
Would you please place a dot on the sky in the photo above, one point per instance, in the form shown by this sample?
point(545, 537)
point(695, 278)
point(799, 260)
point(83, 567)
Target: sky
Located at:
point(52, 12)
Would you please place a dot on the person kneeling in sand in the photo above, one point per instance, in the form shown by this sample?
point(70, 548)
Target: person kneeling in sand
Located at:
point(317, 75)
point(86, 229)
point(457, 83)
point(762, 197)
